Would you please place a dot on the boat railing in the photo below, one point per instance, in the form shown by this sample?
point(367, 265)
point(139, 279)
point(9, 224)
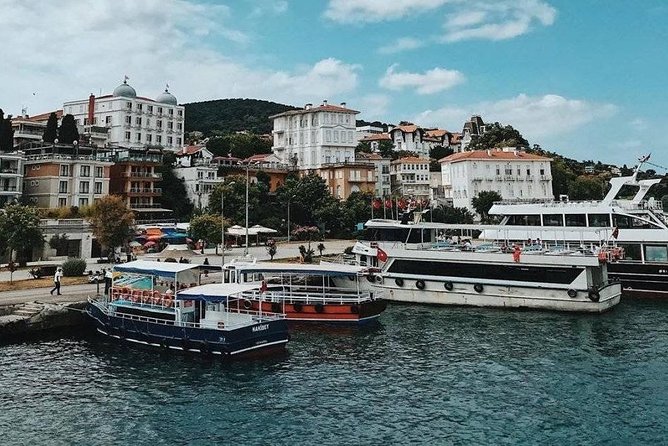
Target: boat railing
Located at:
point(312, 295)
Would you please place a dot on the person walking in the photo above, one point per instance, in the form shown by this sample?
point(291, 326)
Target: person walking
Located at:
point(56, 281)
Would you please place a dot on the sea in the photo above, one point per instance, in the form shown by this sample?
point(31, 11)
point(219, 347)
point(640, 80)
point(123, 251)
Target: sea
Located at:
point(422, 376)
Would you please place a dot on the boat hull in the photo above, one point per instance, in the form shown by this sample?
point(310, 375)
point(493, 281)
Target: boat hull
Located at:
point(247, 340)
point(358, 313)
point(641, 280)
point(502, 296)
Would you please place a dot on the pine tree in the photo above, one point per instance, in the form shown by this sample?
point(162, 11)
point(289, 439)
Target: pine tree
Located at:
point(51, 130)
point(6, 135)
point(68, 133)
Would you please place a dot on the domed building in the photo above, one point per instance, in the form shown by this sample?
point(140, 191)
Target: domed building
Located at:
point(124, 119)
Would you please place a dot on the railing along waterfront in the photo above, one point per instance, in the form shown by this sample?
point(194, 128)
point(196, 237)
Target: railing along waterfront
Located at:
point(311, 295)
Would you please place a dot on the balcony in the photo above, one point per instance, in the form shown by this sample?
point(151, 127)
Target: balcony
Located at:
point(8, 189)
point(156, 175)
point(545, 178)
point(145, 191)
point(508, 178)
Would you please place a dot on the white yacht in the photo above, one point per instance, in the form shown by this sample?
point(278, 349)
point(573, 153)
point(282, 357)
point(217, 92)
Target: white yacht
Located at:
point(637, 227)
point(416, 265)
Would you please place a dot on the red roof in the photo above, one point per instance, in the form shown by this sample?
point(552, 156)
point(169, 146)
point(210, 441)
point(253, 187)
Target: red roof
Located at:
point(495, 154)
point(406, 128)
point(189, 150)
point(411, 160)
point(377, 137)
point(369, 156)
point(257, 157)
point(45, 116)
point(323, 107)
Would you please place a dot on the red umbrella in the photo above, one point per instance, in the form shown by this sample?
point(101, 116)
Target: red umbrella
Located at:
point(154, 238)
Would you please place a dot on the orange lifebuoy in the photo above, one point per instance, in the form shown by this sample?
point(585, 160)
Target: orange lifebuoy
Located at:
point(602, 256)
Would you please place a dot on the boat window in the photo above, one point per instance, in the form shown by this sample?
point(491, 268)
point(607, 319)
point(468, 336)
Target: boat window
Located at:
point(656, 253)
point(553, 220)
point(627, 222)
point(524, 220)
point(576, 220)
point(631, 252)
point(622, 221)
point(599, 220)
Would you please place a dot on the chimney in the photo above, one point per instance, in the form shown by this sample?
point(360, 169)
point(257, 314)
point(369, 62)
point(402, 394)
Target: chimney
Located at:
point(343, 104)
point(308, 106)
point(91, 109)
point(324, 102)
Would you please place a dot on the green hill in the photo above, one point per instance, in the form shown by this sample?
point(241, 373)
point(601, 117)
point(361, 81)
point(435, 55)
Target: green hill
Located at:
point(232, 115)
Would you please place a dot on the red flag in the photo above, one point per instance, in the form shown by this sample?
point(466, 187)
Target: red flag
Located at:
point(388, 203)
point(377, 203)
point(382, 255)
point(401, 204)
point(615, 232)
point(263, 287)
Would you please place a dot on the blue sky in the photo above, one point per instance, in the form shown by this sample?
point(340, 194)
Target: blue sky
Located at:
point(583, 78)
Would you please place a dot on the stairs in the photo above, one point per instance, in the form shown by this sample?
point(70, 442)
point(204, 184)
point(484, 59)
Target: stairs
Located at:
point(28, 310)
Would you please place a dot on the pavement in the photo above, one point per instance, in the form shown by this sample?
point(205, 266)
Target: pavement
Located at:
point(73, 293)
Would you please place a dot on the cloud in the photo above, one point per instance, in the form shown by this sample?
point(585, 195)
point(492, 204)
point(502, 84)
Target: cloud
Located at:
point(432, 81)
point(536, 117)
point(374, 107)
point(352, 11)
point(497, 20)
point(274, 7)
point(401, 44)
point(153, 42)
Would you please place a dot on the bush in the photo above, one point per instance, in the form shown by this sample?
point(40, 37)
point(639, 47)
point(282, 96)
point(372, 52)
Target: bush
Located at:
point(74, 267)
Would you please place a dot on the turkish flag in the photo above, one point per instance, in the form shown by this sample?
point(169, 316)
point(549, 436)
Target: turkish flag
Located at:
point(615, 232)
point(263, 287)
point(388, 203)
point(382, 255)
point(377, 203)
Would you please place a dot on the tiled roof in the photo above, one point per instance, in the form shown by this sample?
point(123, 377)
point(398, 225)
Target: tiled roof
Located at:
point(257, 157)
point(455, 138)
point(327, 108)
point(406, 128)
point(368, 156)
point(189, 150)
point(45, 116)
point(411, 160)
point(436, 133)
point(377, 137)
point(495, 154)
point(230, 158)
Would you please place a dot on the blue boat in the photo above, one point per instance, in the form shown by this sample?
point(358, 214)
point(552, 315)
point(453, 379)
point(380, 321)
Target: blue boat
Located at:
point(162, 305)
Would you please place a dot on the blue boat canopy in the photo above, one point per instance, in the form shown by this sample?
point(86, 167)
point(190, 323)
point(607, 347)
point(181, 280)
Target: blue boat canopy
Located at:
point(181, 272)
point(215, 292)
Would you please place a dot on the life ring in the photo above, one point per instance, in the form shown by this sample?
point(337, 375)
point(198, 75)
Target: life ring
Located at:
point(602, 257)
point(379, 279)
point(354, 309)
point(248, 304)
point(221, 325)
point(168, 302)
point(594, 296)
point(420, 284)
point(448, 286)
point(572, 293)
point(275, 307)
point(319, 308)
point(399, 281)
point(297, 307)
point(478, 287)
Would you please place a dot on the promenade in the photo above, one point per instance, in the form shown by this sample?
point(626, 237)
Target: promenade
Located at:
point(73, 293)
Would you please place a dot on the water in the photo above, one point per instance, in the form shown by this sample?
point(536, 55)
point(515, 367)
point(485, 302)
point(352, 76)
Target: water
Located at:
point(427, 375)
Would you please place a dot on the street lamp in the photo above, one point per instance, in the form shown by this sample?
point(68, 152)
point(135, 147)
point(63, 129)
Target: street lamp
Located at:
point(289, 198)
point(222, 230)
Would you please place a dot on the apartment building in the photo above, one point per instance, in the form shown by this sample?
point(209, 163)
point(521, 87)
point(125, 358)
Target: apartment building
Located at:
point(383, 184)
point(514, 174)
point(410, 177)
point(11, 177)
point(59, 176)
point(345, 178)
point(127, 120)
point(310, 137)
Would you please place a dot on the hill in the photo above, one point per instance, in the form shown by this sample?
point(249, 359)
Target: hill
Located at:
point(232, 115)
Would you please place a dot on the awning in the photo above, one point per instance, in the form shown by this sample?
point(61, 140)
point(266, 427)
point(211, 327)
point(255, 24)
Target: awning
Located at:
point(215, 292)
point(182, 272)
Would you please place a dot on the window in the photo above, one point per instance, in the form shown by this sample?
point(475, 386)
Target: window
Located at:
point(553, 220)
point(150, 109)
point(180, 113)
point(542, 171)
point(656, 253)
point(127, 136)
point(159, 110)
point(159, 124)
point(179, 126)
point(62, 202)
point(140, 107)
point(84, 187)
point(148, 122)
point(107, 120)
point(62, 187)
point(83, 202)
point(158, 139)
point(169, 140)
point(128, 105)
point(576, 220)
point(149, 137)
point(599, 220)
point(528, 172)
point(138, 120)
point(171, 112)
point(128, 120)
point(64, 170)
point(98, 187)
point(84, 171)
point(138, 139)
point(99, 172)
point(170, 125)
point(178, 141)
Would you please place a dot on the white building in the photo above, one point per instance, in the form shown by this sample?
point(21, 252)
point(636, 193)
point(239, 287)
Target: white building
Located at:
point(514, 174)
point(132, 121)
point(193, 155)
point(11, 177)
point(382, 172)
point(195, 166)
point(310, 137)
point(411, 138)
point(474, 127)
point(410, 177)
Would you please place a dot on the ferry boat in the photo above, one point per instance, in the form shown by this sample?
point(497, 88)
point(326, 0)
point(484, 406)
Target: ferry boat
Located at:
point(328, 292)
point(636, 227)
point(415, 266)
point(161, 305)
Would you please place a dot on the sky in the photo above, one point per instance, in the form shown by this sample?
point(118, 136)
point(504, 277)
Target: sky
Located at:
point(586, 78)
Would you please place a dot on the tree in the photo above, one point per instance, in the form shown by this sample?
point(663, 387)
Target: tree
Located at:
point(363, 146)
point(206, 227)
point(586, 188)
point(385, 148)
point(68, 133)
point(111, 221)
point(51, 130)
point(6, 133)
point(234, 192)
point(59, 243)
point(452, 215)
point(311, 194)
point(174, 194)
point(498, 136)
point(20, 231)
point(483, 202)
point(436, 154)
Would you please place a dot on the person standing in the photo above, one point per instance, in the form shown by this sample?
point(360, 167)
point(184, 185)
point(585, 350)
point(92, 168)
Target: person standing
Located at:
point(107, 281)
point(56, 281)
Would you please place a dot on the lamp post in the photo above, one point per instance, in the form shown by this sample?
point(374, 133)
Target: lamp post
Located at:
point(222, 231)
point(289, 198)
point(246, 245)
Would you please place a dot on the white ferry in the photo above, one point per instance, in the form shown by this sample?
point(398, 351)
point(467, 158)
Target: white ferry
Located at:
point(415, 265)
point(636, 227)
